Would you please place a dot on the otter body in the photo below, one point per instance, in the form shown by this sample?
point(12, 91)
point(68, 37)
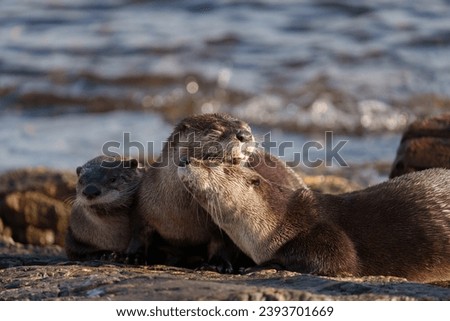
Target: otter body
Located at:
point(100, 218)
point(399, 228)
point(165, 207)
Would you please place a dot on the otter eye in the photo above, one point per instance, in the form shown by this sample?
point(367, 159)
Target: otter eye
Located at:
point(255, 181)
point(244, 136)
point(112, 179)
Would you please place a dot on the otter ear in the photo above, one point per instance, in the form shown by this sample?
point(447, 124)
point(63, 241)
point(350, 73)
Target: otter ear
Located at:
point(184, 126)
point(130, 163)
point(79, 170)
point(255, 181)
point(134, 163)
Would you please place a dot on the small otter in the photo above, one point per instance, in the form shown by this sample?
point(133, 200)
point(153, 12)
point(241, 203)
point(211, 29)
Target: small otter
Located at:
point(425, 144)
point(166, 208)
point(100, 219)
point(400, 227)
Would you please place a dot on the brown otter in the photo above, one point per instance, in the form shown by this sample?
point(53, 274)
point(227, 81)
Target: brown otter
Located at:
point(425, 144)
point(100, 219)
point(400, 227)
point(166, 208)
point(274, 169)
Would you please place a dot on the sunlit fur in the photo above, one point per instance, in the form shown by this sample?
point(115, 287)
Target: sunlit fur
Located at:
point(227, 195)
point(165, 207)
point(168, 209)
point(400, 227)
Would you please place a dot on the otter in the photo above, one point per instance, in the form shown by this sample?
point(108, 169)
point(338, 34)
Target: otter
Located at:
point(167, 209)
point(273, 169)
point(105, 196)
point(400, 227)
point(425, 144)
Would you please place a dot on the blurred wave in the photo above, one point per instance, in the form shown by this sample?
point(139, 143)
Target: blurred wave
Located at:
point(347, 64)
point(356, 67)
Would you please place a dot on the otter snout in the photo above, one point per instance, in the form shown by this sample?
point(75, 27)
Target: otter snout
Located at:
point(91, 192)
point(184, 160)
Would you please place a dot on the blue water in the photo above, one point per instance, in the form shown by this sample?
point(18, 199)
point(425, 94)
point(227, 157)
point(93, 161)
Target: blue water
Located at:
point(364, 69)
point(68, 141)
point(372, 49)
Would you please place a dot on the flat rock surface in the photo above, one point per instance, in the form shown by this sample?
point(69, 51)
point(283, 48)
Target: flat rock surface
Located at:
point(43, 273)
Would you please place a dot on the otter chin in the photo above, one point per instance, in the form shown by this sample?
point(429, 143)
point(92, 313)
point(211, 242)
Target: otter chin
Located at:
point(400, 227)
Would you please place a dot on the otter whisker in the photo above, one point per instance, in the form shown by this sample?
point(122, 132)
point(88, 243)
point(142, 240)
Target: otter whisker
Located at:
point(216, 211)
point(215, 206)
point(70, 200)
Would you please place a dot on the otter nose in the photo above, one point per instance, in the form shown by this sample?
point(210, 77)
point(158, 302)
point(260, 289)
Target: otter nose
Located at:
point(244, 136)
point(184, 160)
point(91, 192)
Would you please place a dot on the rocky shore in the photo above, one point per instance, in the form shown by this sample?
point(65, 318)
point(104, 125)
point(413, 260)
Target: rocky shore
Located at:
point(45, 274)
point(34, 210)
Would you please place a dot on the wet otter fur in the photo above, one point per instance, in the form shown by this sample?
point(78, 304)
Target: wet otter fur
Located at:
point(400, 227)
point(166, 208)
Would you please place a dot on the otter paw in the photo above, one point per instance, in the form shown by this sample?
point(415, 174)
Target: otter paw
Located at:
point(135, 259)
point(115, 257)
point(225, 267)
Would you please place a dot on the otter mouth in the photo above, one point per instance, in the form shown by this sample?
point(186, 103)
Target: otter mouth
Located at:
point(102, 199)
point(247, 149)
point(236, 153)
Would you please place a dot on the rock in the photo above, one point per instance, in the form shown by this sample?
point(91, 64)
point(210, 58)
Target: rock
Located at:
point(43, 273)
point(330, 184)
point(55, 184)
point(34, 205)
point(425, 144)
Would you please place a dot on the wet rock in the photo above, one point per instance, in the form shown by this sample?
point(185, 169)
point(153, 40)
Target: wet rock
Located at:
point(425, 144)
point(35, 205)
point(53, 183)
point(43, 273)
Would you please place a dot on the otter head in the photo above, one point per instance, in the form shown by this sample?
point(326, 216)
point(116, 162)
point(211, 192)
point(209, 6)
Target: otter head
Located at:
point(211, 136)
point(240, 201)
point(107, 182)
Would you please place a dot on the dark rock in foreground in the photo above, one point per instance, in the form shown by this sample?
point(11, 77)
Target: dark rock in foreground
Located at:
point(35, 205)
point(35, 273)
